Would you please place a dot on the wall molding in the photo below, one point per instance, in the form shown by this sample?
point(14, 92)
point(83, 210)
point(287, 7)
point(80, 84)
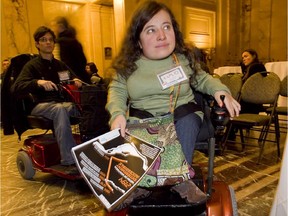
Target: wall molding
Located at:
point(200, 27)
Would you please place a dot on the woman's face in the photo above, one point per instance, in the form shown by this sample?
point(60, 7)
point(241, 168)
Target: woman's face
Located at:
point(157, 39)
point(87, 68)
point(247, 58)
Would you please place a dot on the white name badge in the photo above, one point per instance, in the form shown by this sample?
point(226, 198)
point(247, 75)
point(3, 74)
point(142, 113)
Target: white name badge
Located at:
point(172, 77)
point(64, 75)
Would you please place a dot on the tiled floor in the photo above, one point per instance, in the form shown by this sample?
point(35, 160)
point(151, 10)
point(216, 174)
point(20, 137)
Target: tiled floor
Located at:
point(49, 195)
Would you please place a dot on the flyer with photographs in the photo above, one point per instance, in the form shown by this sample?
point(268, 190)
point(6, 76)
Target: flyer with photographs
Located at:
point(113, 165)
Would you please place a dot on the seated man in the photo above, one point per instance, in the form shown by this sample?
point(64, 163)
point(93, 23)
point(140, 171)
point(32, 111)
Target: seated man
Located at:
point(40, 77)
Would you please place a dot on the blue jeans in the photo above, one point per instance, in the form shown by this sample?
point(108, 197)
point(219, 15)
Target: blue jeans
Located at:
point(187, 129)
point(60, 114)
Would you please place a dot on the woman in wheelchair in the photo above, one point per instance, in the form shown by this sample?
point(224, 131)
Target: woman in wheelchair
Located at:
point(41, 77)
point(155, 70)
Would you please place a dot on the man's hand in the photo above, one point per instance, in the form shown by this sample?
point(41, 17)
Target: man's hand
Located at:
point(78, 82)
point(47, 85)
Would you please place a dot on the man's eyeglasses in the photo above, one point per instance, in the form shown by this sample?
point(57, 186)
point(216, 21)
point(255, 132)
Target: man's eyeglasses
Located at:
point(44, 40)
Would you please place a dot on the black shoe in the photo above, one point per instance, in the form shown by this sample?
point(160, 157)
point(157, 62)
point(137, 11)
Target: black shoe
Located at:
point(189, 191)
point(138, 193)
point(70, 169)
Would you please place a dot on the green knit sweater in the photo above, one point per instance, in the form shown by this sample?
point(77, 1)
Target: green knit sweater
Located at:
point(143, 90)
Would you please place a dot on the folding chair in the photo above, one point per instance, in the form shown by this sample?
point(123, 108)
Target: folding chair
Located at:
point(216, 75)
point(258, 89)
point(234, 82)
point(280, 110)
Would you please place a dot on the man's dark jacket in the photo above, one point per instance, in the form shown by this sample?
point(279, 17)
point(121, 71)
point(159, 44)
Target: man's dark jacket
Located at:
point(8, 104)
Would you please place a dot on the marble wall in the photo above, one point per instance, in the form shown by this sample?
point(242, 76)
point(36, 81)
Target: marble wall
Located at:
point(257, 24)
point(264, 25)
point(14, 29)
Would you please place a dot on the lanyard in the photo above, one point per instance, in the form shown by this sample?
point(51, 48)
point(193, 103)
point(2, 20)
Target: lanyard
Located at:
point(171, 105)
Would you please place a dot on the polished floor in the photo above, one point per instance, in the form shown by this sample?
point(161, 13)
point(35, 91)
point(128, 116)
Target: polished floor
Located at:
point(48, 195)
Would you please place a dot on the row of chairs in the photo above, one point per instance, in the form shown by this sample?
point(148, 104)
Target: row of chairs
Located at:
point(257, 89)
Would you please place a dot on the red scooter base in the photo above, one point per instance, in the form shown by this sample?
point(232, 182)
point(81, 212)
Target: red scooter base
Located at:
point(60, 171)
point(41, 153)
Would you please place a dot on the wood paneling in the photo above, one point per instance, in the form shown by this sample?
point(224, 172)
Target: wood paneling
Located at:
point(200, 27)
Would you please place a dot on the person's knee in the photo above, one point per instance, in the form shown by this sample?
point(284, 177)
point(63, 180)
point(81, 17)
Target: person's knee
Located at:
point(60, 113)
point(192, 121)
point(58, 108)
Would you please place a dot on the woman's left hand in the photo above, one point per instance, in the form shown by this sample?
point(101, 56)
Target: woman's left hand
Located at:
point(231, 104)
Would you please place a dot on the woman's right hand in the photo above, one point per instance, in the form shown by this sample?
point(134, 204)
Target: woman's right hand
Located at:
point(119, 122)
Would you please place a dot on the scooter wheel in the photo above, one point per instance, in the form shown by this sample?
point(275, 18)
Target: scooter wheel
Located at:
point(234, 201)
point(24, 165)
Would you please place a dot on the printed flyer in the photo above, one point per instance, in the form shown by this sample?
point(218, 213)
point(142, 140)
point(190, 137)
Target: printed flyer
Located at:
point(113, 165)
